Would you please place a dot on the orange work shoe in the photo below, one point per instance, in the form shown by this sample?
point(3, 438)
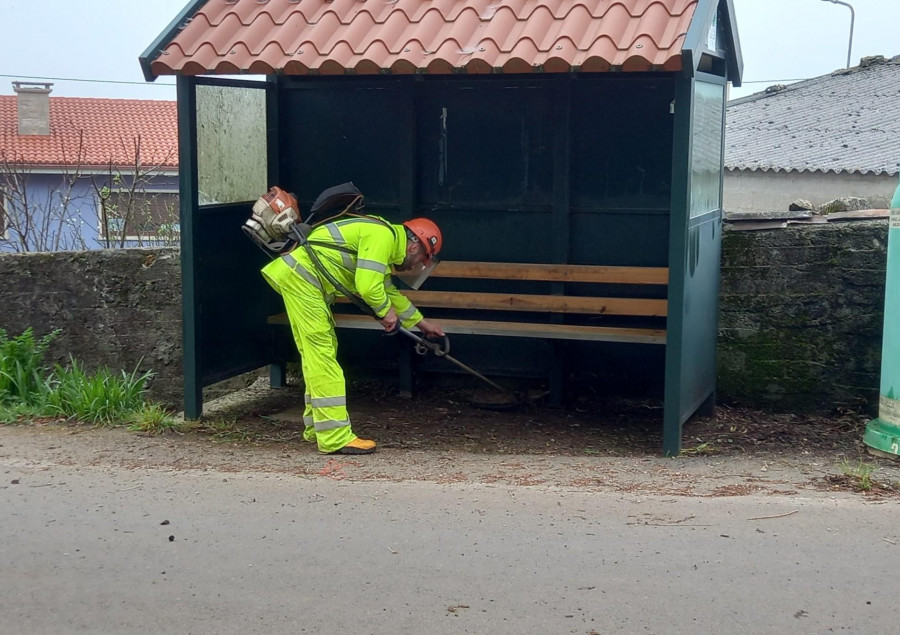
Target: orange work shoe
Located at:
point(357, 446)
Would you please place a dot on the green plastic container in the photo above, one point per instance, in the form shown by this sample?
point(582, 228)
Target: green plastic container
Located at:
point(882, 435)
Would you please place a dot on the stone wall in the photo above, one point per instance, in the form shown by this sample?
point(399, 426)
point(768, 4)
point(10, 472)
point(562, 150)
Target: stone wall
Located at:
point(116, 308)
point(800, 317)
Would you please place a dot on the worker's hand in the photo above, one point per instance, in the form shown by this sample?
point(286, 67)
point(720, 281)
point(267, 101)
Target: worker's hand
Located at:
point(390, 320)
point(430, 329)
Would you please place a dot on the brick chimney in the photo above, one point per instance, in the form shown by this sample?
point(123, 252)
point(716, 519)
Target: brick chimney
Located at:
point(34, 107)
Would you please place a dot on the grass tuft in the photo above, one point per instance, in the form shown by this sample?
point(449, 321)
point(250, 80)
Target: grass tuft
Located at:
point(155, 419)
point(101, 398)
point(860, 474)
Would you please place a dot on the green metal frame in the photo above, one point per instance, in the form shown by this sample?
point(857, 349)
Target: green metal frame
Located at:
point(218, 342)
point(694, 250)
point(187, 185)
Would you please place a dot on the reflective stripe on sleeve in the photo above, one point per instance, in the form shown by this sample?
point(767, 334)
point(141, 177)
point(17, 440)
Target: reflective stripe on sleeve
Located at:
point(372, 265)
point(408, 313)
point(382, 306)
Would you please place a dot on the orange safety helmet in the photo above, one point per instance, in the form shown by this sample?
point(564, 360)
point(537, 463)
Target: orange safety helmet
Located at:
point(428, 234)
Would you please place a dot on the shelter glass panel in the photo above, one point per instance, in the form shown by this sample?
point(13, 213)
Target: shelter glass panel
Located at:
point(488, 146)
point(231, 143)
point(706, 148)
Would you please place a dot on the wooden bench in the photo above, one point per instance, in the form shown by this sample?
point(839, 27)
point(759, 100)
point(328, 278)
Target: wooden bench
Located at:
point(555, 312)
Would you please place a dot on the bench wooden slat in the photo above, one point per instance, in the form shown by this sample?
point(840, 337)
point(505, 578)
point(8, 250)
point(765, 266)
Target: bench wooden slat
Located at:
point(649, 307)
point(643, 307)
point(513, 329)
point(552, 273)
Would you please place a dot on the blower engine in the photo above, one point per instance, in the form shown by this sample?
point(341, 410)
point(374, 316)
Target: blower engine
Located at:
point(275, 224)
point(274, 215)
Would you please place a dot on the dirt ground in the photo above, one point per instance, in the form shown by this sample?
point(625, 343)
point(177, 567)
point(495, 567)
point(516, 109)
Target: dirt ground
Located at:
point(609, 445)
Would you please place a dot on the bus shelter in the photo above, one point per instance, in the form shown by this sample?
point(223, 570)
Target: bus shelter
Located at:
point(543, 132)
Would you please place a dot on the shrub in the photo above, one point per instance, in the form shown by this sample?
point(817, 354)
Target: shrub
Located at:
point(22, 373)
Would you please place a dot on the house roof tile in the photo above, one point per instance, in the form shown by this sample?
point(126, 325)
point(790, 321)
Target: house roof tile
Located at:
point(299, 37)
point(846, 121)
point(93, 132)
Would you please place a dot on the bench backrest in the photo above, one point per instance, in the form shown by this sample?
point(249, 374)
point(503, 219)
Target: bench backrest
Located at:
point(551, 303)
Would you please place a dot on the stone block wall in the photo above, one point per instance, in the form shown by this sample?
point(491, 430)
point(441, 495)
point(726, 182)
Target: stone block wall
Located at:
point(800, 320)
point(116, 308)
point(799, 330)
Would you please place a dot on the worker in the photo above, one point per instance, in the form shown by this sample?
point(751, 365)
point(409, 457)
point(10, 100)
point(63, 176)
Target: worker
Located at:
point(357, 252)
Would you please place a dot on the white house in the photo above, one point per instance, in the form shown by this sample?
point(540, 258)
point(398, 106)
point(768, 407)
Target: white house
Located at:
point(823, 138)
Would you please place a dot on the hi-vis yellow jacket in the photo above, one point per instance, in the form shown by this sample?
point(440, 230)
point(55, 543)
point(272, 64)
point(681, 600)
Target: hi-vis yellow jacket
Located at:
point(372, 246)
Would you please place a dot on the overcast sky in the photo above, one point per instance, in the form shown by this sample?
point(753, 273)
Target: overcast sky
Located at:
point(99, 41)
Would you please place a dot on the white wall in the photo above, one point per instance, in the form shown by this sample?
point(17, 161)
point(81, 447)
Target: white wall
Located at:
point(747, 191)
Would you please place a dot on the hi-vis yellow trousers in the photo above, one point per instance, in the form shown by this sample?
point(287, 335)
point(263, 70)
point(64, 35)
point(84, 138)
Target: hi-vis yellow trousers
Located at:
point(312, 324)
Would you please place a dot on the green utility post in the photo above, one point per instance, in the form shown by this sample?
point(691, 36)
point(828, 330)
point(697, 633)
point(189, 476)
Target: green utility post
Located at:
point(883, 434)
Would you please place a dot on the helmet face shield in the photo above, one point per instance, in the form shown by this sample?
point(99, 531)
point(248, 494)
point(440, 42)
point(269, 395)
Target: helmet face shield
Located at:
point(415, 277)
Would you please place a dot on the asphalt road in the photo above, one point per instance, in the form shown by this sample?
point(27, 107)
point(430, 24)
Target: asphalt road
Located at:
point(118, 550)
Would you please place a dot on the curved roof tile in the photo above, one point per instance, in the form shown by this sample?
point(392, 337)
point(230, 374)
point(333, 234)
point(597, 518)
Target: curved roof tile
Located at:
point(428, 36)
point(92, 133)
point(845, 121)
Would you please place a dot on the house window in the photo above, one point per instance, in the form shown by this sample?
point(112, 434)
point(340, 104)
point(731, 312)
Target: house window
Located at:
point(2, 214)
point(142, 218)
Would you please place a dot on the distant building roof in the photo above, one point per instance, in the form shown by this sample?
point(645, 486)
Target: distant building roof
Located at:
point(299, 37)
point(846, 121)
point(104, 129)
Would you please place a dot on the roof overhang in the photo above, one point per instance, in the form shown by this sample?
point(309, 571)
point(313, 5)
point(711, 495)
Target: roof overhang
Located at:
point(159, 44)
point(714, 18)
point(346, 37)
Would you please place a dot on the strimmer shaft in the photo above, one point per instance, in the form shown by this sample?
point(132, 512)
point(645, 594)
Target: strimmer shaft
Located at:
point(436, 349)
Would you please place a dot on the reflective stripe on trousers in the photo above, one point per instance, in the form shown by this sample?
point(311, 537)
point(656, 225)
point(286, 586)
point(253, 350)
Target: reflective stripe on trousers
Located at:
point(312, 326)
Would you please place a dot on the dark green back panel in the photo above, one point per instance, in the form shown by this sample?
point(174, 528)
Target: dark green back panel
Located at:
point(485, 145)
point(621, 144)
point(333, 133)
point(484, 167)
point(481, 156)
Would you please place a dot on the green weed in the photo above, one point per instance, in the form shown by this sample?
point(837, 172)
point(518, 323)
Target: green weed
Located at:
point(703, 449)
point(101, 398)
point(223, 429)
point(860, 474)
point(154, 419)
point(22, 373)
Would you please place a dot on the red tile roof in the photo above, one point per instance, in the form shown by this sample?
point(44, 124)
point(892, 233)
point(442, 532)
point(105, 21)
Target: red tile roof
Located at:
point(108, 128)
point(299, 37)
